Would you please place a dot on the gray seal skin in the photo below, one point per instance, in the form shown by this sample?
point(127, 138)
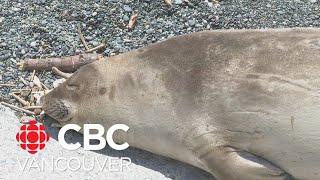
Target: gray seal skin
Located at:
point(240, 104)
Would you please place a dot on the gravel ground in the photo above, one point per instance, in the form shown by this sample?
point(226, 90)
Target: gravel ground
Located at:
point(47, 28)
point(27, 25)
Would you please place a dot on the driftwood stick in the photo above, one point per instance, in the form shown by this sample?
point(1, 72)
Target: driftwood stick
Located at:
point(32, 75)
point(168, 3)
point(19, 91)
point(132, 21)
point(84, 42)
point(7, 85)
point(17, 108)
point(23, 81)
point(32, 107)
point(101, 46)
point(23, 102)
point(44, 86)
point(67, 64)
point(60, 73)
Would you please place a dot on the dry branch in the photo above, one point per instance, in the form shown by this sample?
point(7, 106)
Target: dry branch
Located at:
point(132, 21)
point(23, 102)
point(32, 107)
point(7, 85)
point(84, 42)
point(32, 75)
point(101, 46)
point(168, 2)
point(44, 86)
point(67, 64)
point(60, 73)
point(17, 108)
point(23, 81)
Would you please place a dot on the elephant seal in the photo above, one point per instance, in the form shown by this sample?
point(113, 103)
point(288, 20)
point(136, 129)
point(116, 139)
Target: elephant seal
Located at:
point(240, 104)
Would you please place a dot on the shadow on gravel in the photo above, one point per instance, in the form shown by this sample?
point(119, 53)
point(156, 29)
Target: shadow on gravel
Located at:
point(139, 157)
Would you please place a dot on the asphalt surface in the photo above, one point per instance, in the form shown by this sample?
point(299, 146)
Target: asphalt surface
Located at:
point(15, 162)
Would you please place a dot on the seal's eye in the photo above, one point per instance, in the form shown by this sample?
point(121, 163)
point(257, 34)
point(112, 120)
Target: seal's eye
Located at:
point(72, 87)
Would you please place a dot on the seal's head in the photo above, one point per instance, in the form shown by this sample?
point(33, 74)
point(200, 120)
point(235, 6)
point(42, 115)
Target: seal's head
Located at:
point(69, 100)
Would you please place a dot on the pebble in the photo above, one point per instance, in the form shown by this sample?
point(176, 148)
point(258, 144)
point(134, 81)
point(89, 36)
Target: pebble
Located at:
point(89, 38)
point(127, 8)
point(95, 43)
point(191, 22)
point(94, 14)
point(33, 44)
point(125, 18)
point(16, 9)
point(280, 12)
point(178, 1)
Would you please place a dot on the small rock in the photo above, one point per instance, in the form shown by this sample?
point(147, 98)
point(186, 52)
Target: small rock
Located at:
point(94, 43)
point(33, 44)
point(280, 12)
point(127, 8)
point(3, 44)
point(94, 14)
point(149, 31)
point(89, 38)
point(178, 2)
point(16, 9)
point(191, 22)
point(144, 40)
point(125, 18)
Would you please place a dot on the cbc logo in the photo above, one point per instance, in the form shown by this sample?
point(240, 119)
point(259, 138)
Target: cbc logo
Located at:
point(32, 137)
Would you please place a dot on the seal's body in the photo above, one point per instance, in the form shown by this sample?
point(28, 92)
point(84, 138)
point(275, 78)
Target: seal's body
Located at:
point(241, 104)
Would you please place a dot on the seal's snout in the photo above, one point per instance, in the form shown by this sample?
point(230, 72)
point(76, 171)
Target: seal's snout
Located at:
point(57, 109)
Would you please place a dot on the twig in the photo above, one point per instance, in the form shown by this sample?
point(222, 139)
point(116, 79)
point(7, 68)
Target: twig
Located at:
point(25, 92)
point(101, 46)
point(44, 86)
point(60, 73)
point(23, 81)
point(168, 2)
point(32, 76)
point(132, 21)
point(7, 85)
point(17, 108)
point(82, 39)
point(23, 102)
point(32, 107)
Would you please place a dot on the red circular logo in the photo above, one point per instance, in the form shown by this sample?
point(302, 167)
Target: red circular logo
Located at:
point(32, 137)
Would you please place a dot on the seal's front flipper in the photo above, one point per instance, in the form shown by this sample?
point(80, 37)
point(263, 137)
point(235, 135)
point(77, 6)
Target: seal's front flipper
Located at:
point(229, 163)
